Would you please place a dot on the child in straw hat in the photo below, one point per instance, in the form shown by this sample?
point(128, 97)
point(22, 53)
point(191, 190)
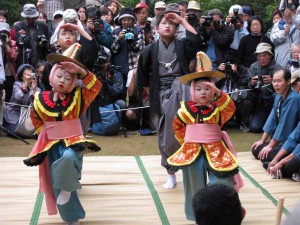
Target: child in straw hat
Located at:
point(197, 126)
point(61, 143)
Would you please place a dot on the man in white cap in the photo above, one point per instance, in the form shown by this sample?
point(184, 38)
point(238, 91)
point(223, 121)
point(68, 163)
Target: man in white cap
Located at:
point(32, 36)
point(235, 20)
point(192, 13)
point(159, 8)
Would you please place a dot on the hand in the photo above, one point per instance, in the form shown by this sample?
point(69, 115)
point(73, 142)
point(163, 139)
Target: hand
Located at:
point(267, 79)
point(72, 68)
point(274, 171)
point(22, 31)
point(234, 67)
point(222, 66)
point(175, 18)
point(70, 26)
point(254, 80)
point(33, 83)
point(271, 164)
point(121, 35)
point(263, 154)
point(287, 28)
point(213, 87)
point(256, 145)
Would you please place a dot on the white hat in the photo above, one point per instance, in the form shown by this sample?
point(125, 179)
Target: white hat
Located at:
point(70, 16)
point(29, 11)
point(194, 5)
point(57, 12)
point(160, 5)
point(238, 7)
point(263, 47)
point(295, 75)
point(4, 27)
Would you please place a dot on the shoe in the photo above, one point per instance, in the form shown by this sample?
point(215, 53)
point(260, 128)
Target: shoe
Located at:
point(296, 177)
point(244, 127)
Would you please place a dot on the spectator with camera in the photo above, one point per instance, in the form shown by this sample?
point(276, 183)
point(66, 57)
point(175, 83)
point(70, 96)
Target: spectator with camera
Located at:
point(98, 27)
point(235, 20)
point(284, 33)
point(260, 77)
point(248, 12)
point(219, 36)
point(9, 52)
point(23, 91)
point(3, 18)
point(129, 41)
point(32, 37)
point(192, 14)
point(141, 12)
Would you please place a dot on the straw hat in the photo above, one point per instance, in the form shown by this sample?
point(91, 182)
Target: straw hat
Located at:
point(295, 75)
point(203, 69)
point(194, 5)
point(69, 55)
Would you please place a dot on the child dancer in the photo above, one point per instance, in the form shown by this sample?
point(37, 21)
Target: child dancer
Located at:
point(197, 126)
point(61, 144)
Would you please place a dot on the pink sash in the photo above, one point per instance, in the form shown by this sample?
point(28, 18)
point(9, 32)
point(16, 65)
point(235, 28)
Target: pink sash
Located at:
point(209, 133)
point(53, 131)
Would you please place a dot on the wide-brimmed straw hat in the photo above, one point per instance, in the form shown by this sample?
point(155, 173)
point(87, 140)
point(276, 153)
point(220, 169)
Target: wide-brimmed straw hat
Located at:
point(69, 55)
point(203, 69)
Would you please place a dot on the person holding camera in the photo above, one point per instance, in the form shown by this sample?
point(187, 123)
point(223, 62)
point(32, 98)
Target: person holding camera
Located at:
point(260, 77)
point(284, 33)
point(8, 56)
point(293, 64)
point(23, 91)
point(141, 11)
point(32, 37)
point(192, 14)
point(99, 28)
point(129, 41)
point(235, 20)
point(219, 36)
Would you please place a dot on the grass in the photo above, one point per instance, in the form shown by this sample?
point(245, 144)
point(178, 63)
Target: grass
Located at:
point(119, 145)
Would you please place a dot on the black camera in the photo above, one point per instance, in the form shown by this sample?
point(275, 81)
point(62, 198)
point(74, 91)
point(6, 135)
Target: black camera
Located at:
point(295, 63)
point(129, 36)
point(22, 40)
point(98, 24)
point(3, 37)
point(217, 23)
point(235, 19)
point(227, 65)
point(147, 27)
point(43, 39)
point(112, 69)
point(193, 19)
point(259, 82)
point(208, 21)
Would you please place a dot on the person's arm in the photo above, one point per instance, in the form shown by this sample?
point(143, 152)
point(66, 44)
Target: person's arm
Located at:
point(131, 86)
point(224, 36)
point(263, 139)
point(179, 20)
point(80, 30)
point(104, 36)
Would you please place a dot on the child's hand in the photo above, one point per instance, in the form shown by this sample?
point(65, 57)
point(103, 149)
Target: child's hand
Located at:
point(213, 87)
point(174, 18)
point(72, 68)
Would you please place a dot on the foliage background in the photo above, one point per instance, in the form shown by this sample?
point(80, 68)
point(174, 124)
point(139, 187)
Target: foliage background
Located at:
point(263, 8)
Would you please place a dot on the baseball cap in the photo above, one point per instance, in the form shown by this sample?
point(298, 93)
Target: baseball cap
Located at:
point(238, 7)
point(141, 5)
point(58, 12)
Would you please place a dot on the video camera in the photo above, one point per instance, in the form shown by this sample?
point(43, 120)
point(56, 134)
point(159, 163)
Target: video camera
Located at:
point(22, 40)
point(208, 21)
point(235, 18)
point(129, 36)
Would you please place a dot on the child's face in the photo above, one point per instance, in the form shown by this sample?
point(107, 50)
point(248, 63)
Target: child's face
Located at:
point(66, 38)
point(62, 80)
point(203, 92)
point(167, 28)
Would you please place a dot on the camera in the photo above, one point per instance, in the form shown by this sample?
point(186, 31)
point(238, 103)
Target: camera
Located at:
point(208, 21)
point(112, 69)
point(193, 19)
point(218, 23)
point(98, 24)
point(22, 40)
point(43, 39)
point(3, 37)
point(129, 36)
point(147, 27)
point(32, 75)
point(259, 82)
point(227, 65)
point(235, 19)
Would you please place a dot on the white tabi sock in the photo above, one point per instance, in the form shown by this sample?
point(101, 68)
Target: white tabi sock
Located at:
point(171, 183)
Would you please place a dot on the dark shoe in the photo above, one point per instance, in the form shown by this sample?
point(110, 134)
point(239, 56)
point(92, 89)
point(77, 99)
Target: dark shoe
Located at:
point(265, 165)
point(244, 127)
